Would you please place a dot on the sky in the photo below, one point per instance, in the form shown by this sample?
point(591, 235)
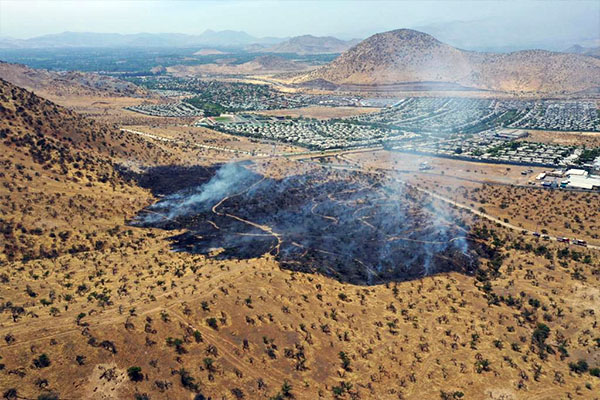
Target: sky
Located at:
point(502, 22)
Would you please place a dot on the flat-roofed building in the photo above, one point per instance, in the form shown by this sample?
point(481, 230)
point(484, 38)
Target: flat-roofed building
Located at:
point(576, 172)
point(589, 182)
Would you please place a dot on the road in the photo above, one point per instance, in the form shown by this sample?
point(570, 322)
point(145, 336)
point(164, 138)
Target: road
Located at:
point(357, 167)
point(486, 216)
point(202, 146)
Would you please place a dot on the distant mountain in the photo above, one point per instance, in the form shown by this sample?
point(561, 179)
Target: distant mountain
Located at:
point(259, 65)
point(586, 51)
point(7, 42)
point(308, 44)
point(225, 38)
point(69, 83)
point(209, 52)
point(405, 55)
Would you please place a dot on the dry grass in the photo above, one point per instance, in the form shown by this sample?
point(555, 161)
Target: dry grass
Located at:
point(97, 312)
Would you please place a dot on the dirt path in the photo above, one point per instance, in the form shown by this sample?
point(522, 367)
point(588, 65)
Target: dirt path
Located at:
point(264, 228)
point(196, 145)
point(107, 316)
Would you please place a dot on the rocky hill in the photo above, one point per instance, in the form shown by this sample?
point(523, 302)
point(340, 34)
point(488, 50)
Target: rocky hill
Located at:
point(308, 44)
point(70, 83)
point(405, 55)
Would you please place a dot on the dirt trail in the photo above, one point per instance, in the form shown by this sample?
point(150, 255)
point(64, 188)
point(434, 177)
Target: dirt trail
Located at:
point(486, 216)
point(105, 316)
point(264, 228)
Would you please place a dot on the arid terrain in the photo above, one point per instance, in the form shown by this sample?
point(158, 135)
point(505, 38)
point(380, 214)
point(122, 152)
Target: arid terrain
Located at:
point(215, 222)
point(107, 306)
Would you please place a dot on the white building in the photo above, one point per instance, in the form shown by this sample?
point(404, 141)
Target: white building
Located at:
point(576, 172)
point(589, 182)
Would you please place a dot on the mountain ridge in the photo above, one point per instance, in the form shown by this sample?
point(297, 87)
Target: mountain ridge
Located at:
point(69, 82)
point(225, 38)
point(586, 51)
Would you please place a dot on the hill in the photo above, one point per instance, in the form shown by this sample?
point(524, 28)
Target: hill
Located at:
point(259, 65)
point(308, 44)
point(404, 55)
point(59, 168)
point(94, 308)
point(70, 83)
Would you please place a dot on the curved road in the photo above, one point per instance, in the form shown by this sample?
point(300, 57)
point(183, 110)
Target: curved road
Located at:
point(487, 216)
point(472, 210)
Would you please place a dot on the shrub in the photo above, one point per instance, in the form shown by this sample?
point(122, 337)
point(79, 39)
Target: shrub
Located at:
point(580, 366)
point(540, 334)
point(345, 361)
point(212, 322)
point(188, 381)
point(135, 374)
point(286, 389)
point(482, 365)
point(42, 361)
point(10, 394)
point(48, 396)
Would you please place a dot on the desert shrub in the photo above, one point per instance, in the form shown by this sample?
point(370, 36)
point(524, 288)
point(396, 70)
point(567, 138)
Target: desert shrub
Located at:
point(135, 374)
point(579, 367)
point(188, 381)
point(48, 396)
point(212, 322)
point(42, 361)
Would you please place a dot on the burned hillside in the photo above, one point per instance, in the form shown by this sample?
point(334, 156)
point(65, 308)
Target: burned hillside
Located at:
point(350, 226)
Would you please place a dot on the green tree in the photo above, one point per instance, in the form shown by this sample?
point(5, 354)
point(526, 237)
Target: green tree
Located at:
point(135, 374)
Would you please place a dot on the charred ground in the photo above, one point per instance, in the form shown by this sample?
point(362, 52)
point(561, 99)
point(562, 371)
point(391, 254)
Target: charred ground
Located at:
point(348, 225)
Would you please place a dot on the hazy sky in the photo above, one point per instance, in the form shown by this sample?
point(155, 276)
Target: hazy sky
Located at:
point(532, 19)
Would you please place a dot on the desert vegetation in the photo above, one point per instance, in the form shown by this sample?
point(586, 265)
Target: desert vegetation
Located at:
point(90, 299)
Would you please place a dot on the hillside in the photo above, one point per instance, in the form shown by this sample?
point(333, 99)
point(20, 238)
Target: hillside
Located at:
point(259, 65)
point(308, 44)
point(405, 55)
point(70, 83)
point(94, 308)
point(58, 170)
